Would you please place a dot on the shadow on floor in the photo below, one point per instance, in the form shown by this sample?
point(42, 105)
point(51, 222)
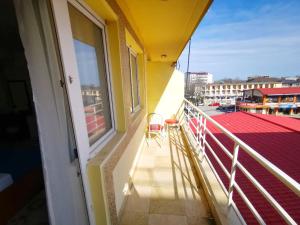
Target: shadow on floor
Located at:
point(165, 189)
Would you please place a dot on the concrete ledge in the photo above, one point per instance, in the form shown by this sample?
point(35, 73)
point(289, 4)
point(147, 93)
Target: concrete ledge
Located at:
point(216, 197)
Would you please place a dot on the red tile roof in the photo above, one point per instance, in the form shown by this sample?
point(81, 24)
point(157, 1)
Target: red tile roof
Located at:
point(275, 138)
point(279, 91)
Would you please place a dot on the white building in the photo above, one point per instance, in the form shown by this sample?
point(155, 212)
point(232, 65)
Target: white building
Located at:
point(199, 77)
point(195, 80)
point(227, 93)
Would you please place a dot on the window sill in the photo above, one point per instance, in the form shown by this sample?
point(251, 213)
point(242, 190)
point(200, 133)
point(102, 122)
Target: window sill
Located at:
point(104, 151)
point(134, 113)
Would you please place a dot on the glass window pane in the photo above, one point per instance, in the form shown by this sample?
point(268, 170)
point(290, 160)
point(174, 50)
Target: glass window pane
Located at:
point(90, 57)
point(134, 81)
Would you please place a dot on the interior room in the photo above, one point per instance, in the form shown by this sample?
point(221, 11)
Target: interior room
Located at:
point(22, 196)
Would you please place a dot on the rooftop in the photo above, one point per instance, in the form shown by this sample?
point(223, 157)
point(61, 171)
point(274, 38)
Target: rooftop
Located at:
point(199, 73)
point(258, 79)
point(275, 138)
point(279, 91)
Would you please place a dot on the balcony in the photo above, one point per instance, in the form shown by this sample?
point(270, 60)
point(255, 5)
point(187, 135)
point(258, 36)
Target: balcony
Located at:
point(204, 174)
point(165, 187)
point(204, 171)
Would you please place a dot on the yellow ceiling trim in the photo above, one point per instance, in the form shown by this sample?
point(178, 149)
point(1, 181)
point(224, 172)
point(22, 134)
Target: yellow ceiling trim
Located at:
point(129, 18)
point(102, 8)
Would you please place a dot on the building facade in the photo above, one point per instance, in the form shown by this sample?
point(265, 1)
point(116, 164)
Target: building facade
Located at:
point(227, 93)
point(196, 79)
point(199, 77)
point(291, 82)
point(271, 101)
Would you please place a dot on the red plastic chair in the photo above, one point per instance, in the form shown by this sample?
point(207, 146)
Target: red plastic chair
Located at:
point(155, 125)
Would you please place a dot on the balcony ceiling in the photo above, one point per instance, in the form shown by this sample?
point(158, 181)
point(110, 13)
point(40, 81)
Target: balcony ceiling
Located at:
point(164, 26)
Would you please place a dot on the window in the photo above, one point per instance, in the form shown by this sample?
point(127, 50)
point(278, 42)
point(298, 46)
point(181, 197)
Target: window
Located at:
point(288, 98)
point(91, 62)
point(134, 81)
point(247, 96)
point(272, 99)
point(256, 99)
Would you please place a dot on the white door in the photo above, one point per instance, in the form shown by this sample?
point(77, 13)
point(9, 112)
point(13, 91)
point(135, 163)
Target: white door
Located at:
point(83, 48)
point(62, 173)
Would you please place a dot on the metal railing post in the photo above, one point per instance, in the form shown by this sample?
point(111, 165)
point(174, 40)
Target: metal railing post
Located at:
point(199, 133)
point(203, 138)
point(233, 172)
point(198, 128)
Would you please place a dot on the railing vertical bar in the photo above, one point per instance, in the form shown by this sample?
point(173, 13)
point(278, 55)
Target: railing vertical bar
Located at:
point(198, 127)
point(203, 137)
point(200, 132)
point(190, 127)
point(232, 173)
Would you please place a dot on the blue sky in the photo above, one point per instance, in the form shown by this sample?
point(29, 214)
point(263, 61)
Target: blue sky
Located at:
point(238, 38)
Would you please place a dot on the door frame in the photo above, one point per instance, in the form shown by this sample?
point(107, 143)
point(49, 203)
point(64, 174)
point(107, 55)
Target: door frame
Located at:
point(49, 115)
point(65, 41)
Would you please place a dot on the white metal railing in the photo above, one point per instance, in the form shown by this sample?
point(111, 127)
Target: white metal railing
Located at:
point(196, 124)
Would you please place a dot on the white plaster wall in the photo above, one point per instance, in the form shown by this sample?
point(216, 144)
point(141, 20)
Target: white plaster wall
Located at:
point(172, 96)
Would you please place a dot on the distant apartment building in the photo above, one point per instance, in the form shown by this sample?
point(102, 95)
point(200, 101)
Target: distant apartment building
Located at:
point(199, 77)
point(196, 79)
point(271, 100)
point(287, 81)
point(262, 79)
point(227, 93)
point(291, 81)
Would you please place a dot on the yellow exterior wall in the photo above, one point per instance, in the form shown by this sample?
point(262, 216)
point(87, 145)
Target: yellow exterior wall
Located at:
point(97, 193)
point(123, 172)
point(130, 126)
point(165, 88)
point(161, 91)
point(116, 71)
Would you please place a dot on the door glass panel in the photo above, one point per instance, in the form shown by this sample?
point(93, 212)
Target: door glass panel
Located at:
point(90, 57)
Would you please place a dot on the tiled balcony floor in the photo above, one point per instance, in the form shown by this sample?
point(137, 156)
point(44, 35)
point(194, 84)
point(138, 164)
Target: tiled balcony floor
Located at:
point(164, 189)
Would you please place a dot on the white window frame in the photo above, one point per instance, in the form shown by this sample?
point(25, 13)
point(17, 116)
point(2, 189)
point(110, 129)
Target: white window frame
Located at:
point(134, 109)
point(73, 87)
point(99, 22)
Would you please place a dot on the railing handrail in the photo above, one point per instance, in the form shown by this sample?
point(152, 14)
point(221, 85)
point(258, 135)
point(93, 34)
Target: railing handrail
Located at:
point(198, 133)
point(282, 176)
